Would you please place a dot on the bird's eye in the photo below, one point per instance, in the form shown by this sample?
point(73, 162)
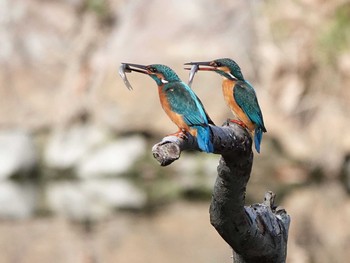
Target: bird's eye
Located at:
point(153, 70)
point(218, 64)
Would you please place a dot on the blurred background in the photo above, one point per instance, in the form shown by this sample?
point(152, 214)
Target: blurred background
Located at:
point(78, 182)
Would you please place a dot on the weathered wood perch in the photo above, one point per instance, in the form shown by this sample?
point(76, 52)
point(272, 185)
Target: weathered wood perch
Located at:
point(256, 233)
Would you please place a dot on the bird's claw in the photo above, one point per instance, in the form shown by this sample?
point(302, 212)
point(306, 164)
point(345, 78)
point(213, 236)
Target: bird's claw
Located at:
point(180, 134)
point(240, 123)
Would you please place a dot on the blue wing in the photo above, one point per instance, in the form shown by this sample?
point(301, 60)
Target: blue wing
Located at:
point(210, 121)
point(245, 97)
point(184, 101)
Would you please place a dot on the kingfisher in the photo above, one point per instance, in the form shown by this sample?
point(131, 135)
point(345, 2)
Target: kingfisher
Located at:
point(180, 103)
point(239, 95)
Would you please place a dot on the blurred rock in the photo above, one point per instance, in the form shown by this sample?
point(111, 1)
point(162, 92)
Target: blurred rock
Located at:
point(196, 172)
point(37, 38)
point(66, 147)
point(17, 201)
point(318, 231)
point(93, 199)
point(113, 158)
point(17, 153)
point(305, 106)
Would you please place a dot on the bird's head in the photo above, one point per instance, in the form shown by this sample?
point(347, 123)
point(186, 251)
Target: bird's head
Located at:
point(160, 73)
point(226, 67)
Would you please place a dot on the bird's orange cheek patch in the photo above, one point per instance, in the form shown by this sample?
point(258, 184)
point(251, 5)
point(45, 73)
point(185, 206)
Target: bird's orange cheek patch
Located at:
point(224, 69)
point(159, 75)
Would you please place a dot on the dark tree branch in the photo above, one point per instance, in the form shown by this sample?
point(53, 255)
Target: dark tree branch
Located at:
point(257, 233)
point(227, 139)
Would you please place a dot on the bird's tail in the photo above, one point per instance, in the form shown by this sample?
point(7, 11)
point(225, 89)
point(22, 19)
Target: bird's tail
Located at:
point(204, 139)
point(257, 138)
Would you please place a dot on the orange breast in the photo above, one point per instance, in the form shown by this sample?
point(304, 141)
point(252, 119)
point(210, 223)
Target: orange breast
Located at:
point(175, 117)
point(228, 89)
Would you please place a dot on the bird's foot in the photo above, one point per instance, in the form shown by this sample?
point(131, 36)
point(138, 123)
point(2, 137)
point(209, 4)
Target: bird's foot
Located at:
point(180, 134)
point(240, 123)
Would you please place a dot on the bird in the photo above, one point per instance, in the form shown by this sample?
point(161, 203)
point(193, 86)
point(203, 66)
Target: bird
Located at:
point(239, 95)
point(180, 103)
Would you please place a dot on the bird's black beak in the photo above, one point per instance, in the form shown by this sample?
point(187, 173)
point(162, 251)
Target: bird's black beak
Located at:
point(208, 65)
point(135, 67)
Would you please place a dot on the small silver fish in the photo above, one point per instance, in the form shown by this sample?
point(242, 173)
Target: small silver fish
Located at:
point(122, 70)
point(193, 72)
